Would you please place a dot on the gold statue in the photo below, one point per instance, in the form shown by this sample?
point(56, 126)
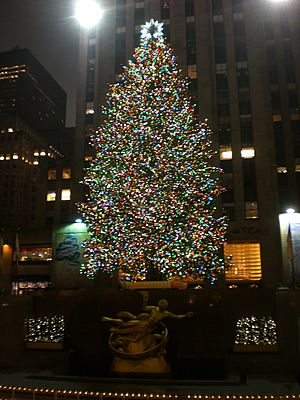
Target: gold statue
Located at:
point(141, 337)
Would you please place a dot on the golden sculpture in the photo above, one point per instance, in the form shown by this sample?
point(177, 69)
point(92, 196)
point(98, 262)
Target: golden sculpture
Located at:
point(138, 341)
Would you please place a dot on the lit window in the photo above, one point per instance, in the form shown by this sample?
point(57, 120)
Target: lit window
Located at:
point(225, 153)
point(10, 130)
point(121, 29)
point(2, 158)
point(35, 162)
point(190, 18)
point(88, 158)
point(51, 174)
point(7, 157)
point(89, 111)
point(238, 16)
point(251, 210)
point(283, 170)
point(35, 254)
point(66, 173)
point(218, 18)
point(15, 156)
point(36, 154)
point(242, 65)
point(51, 196)
point(221, 68)
point(248, 152)
point(297, 166)
point(192, 71)
point(66, 194)
point(43, 153)
point(246, 259)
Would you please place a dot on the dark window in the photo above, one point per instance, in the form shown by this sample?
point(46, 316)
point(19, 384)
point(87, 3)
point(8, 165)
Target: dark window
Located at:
point(243, 77)
point(120, 52)
point(165, 9)
point(237, 6)
point(189, 8)
point(121, 13)
point(229, 210)
point(89, 119)
point(220, 51)
point(279, 143)
point(137, 39)
point(191, 43)
point(283, 191)
point(296, 137)
point(226, 166)
point(166, 30)
point(90, 96)
point(219, 31)
point(289, 63)
point(139, 16)
point(217, 7)
point(222, 81)
point(290, 73)
point(240, 49)
point(285, 26)
point(245, 108)
point(276, 102)
point(268, 26)
point(225, 134)
point(271, 55)
point(193, 84)
point(228, 196)
point(223, 103)
point(91, 51)
point(239, 28)
point(250, 192)
point(223, 110)
point(273, 73)
point(246, 133)
point(91, 72)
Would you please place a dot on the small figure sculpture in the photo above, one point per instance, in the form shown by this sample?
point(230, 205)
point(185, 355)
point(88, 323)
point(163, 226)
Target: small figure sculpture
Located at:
point(143, 336)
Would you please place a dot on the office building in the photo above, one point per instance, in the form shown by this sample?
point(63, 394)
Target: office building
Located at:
point(242, 58)
point(35, 166)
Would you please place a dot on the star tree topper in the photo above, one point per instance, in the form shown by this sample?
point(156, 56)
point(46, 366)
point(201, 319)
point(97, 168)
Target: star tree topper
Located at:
point(152, 29)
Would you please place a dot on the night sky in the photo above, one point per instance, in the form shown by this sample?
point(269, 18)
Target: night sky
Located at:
point(48, 30)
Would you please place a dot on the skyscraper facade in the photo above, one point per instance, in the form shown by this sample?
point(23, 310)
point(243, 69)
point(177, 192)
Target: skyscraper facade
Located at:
point(35, 166)
point(242, 58)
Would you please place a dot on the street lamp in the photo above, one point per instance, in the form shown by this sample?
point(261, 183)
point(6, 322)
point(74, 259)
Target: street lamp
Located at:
point(88, 13)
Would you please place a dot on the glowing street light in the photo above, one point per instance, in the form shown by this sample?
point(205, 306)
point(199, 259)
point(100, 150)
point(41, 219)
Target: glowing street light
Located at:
point(88, 13)
point(290, 211)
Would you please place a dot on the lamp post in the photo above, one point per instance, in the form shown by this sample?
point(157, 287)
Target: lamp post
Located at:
point(88, 13)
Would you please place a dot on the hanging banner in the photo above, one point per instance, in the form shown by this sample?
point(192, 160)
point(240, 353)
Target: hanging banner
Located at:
point(68, 255)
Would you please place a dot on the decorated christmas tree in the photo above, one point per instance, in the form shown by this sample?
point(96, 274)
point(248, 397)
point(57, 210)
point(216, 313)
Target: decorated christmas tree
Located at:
point(152, 188)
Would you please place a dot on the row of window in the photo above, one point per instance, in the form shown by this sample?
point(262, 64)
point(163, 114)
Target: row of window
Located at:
point(245, 258)
point(226, 152)
point(65, 174)
point(65, 195)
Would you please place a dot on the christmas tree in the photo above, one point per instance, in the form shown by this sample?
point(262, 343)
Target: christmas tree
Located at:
point(152, 190)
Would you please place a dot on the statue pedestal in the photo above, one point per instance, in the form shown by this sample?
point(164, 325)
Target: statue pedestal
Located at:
point(151, 365)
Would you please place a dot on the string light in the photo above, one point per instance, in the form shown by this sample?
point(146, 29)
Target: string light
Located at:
point(256, 330)
point(152, 188)
point(45, 329)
